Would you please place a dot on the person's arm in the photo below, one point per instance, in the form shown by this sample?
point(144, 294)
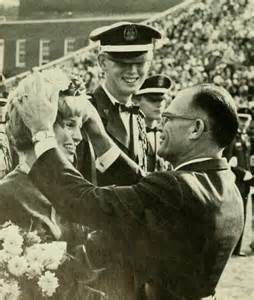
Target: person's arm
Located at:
point(112, 164)
point(77, 199)
point(72, 196)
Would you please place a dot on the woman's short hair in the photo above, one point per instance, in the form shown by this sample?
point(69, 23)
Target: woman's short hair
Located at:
point(70, 104)
point(19, 135)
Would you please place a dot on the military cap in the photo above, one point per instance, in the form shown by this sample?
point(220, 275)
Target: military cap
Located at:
point(157, 84)
point(125, 37)
point(244, 110)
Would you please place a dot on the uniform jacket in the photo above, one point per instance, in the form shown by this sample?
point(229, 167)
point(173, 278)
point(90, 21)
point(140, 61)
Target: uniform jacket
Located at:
point(240, 148)
point(154, 162)
point(180, 227)
point(116, 129)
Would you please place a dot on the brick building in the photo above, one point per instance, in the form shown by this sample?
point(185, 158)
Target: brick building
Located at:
point(28, 43)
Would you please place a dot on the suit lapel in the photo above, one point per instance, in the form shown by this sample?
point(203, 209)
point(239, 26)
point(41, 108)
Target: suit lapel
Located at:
point(111, 118)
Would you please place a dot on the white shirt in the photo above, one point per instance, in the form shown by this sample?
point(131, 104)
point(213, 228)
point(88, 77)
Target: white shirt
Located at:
point(102, 163)
point(124, 115)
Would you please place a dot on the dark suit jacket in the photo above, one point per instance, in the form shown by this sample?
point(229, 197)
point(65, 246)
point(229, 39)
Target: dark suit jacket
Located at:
point(116, 129)
point(180, 227)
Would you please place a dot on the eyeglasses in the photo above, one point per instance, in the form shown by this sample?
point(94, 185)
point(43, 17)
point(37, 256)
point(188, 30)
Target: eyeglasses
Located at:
point(170, 116)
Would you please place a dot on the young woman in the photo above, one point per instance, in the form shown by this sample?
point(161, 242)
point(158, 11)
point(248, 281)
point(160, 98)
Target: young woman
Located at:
point(23, 204)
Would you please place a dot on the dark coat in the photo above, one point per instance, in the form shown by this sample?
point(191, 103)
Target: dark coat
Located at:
point(116, 129)
point(180, 227)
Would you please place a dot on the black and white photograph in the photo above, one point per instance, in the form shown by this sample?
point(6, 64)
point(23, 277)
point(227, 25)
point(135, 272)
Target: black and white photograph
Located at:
point(126, 150)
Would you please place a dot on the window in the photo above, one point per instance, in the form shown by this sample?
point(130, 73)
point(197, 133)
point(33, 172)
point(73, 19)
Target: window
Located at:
point(44, 54)
point(1, 55)
point(20, 53)
point(69, 45)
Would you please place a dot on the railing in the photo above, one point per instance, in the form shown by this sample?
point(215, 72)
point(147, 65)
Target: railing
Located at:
point(69, 59)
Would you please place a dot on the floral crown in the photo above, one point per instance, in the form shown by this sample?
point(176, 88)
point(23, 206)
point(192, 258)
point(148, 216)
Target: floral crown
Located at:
point(76, 87)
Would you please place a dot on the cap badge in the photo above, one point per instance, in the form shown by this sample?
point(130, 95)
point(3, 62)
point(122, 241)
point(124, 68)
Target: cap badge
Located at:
point(130, 33)
point(160, 81)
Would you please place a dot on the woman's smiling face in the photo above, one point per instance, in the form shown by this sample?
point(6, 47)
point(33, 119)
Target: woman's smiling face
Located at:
point(68, 135)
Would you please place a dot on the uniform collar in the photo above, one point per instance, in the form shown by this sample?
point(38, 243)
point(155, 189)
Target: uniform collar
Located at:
point(204, 163)
point(192, 161)
point(112, 99)
point(23, 166)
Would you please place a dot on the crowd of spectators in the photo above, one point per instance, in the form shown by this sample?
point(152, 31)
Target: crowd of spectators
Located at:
point(211, 41)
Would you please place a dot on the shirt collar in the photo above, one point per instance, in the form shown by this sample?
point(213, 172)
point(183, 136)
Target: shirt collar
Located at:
point(111, 97)
point(23, 166)
point(192, 161)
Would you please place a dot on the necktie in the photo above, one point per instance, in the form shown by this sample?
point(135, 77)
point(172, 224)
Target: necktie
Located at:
point(134, 111)
point(154, 129)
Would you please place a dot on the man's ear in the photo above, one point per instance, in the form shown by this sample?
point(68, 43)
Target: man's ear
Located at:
point(197, 129)
point(102, 61)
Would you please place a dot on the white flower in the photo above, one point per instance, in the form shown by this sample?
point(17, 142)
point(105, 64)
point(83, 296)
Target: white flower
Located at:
point(33, 237)
point(9, 230)
point(4, 257)
point(12, 240)
point(54, 254)
point(48, 283)
point(13, 291)
point(34, 254)
point(3, 289)
point(13, 247)
point(34, 270)
point(9, 290)
point(17, 266)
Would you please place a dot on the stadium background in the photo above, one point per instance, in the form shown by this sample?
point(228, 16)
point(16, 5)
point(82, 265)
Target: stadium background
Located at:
point(203, 41)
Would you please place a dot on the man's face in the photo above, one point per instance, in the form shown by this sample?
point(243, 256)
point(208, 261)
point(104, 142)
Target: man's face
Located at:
point(244, 121)
point(177, 127)
point(125, 77)
point(152, 106)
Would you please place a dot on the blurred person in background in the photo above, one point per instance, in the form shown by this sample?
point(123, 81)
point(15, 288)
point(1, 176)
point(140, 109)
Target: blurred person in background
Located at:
point(151, 100)
point(3, 90)
point(5, 152)
point(239, 155)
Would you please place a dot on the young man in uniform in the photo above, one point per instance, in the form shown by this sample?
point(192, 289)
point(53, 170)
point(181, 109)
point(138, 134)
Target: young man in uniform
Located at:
point(151, 101)
point(126, 51)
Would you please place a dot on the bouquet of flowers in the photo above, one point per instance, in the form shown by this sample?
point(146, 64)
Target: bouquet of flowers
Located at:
point(26, 261)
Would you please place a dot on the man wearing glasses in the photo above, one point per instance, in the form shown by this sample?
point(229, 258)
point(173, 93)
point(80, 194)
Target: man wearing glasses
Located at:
point(180, 226)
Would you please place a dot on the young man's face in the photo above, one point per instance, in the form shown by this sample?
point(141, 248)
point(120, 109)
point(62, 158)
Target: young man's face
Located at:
point(152, 106)
point(125, 77)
